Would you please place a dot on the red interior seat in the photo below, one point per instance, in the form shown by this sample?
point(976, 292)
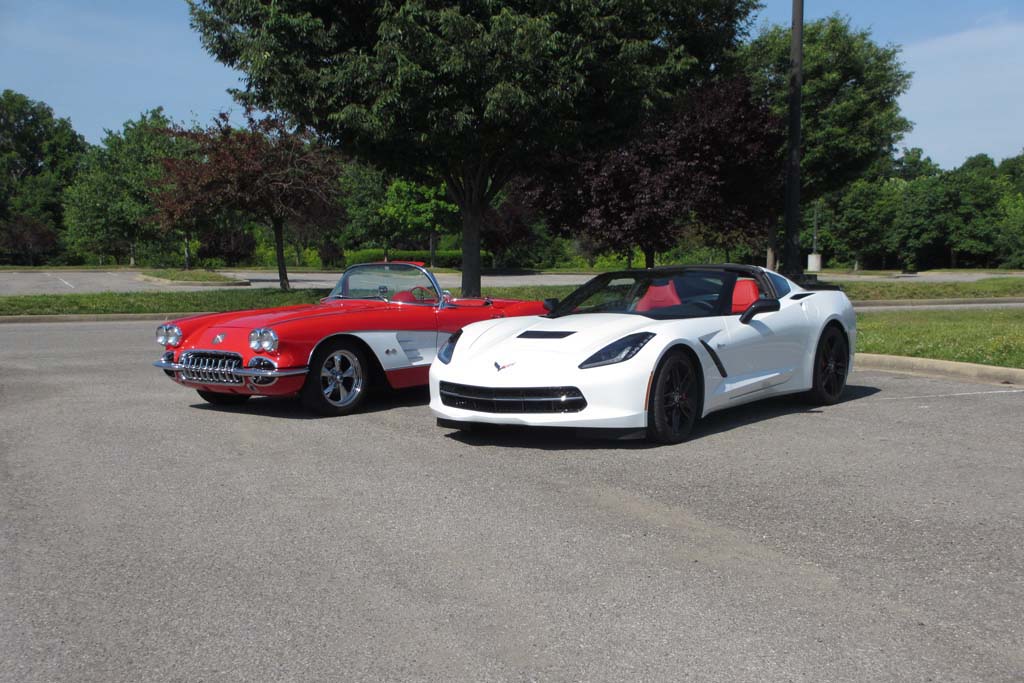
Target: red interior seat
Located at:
point(658, 296)
point(743, 294)
point(404, 297)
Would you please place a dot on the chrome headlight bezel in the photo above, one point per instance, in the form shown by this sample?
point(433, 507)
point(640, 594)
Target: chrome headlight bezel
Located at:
point(618, 351)
point(263, 339)
point(445, 353)
point(168, 335)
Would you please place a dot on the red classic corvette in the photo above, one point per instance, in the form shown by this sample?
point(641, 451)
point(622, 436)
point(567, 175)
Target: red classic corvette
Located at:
point(382, 323)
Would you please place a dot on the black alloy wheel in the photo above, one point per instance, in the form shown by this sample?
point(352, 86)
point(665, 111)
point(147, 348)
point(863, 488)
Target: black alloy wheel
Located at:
point(831, 365)
point(675, 400)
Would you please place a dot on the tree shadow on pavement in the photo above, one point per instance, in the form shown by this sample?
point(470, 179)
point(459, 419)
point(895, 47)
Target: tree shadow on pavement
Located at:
point(563, 438)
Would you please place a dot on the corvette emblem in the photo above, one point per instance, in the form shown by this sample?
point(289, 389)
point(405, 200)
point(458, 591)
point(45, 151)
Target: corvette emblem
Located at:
point(499, 368)
point(219, 338)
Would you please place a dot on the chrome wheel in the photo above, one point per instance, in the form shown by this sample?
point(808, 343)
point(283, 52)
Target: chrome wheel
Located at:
point(338, 379)
point(341, 378)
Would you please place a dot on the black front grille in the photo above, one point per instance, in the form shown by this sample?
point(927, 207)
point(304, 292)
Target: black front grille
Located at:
point(210, 367)
point(517, 400)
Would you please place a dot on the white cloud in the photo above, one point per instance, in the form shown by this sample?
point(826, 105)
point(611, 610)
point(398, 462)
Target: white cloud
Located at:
point(966, 96)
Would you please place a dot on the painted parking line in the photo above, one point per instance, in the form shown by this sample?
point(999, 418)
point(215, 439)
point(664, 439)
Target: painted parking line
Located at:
point(62, 280)
point(964, 393)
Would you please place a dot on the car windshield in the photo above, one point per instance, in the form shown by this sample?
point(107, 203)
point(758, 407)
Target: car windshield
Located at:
point(655, 294)
point(396, 282)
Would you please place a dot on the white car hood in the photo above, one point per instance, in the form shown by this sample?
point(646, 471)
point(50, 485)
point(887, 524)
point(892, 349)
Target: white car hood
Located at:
point(502, 342)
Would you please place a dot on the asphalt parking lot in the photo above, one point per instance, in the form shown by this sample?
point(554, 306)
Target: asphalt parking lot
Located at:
point(147, 536)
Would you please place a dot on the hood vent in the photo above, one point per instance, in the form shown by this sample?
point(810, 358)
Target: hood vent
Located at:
point(543, 334)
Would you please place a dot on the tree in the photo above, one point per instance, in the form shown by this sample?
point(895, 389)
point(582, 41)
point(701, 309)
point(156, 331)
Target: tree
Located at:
point(472, 92)
point(109, 210)
point(913, 164)
point(851, 116)
point(39, 157)
point(416, 211)
point(708, 168)
point(268, 169)
point(1012, 169)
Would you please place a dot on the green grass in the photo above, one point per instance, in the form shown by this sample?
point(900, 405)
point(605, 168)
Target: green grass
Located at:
point(206, 300)
point(989, 287)
point(236, 299)
point(188, 275)
point(987, 337)
point(156, 302)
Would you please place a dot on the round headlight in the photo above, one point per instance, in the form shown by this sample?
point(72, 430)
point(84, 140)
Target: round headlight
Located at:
point(161, 335)
point(173, 335)
point(263, 339)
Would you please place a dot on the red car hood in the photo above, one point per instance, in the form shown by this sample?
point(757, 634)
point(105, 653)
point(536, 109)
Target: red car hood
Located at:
point(269, 317)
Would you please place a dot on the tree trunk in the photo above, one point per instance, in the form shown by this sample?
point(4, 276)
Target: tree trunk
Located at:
point(131, 254)
point(433, 247)
point(771, 259)
point(472, 223)
point(648, 257)
point(282, 269)
point(188, 254)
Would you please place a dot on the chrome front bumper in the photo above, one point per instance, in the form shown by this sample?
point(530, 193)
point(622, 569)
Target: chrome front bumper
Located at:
point(240, 372)
point(199, 366)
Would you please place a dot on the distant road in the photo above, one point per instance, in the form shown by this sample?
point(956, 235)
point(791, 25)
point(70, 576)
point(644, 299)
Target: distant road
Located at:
point(15, 282)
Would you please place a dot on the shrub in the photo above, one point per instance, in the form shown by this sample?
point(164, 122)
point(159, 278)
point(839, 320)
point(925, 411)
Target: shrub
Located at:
point(443, 258)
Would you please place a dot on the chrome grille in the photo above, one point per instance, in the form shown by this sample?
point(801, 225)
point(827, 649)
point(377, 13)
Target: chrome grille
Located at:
point(518, 400)
point(210, 367)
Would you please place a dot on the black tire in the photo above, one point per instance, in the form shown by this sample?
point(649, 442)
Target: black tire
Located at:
point(338, 379)
point(219, 399)
point(675, 400)
point(831, 366)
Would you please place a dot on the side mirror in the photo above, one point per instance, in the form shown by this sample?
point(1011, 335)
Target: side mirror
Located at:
point(446, 297)
point(759, 306)
point(550, 304)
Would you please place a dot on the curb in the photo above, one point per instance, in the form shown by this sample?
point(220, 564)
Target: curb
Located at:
point(95, 317)
point(946, 369)
point(885, 303)
point(193, 283)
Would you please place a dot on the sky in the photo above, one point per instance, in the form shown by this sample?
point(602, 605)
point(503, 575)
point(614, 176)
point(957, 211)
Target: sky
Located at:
point(102, 62)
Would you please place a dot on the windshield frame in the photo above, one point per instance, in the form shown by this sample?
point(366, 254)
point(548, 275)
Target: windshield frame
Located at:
point(438, 292)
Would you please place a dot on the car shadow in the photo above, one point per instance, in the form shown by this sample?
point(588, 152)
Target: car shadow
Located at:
point(563, 438)
point(290, 408)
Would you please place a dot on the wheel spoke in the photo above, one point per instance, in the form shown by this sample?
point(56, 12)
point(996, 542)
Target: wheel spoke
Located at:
point(329, 389)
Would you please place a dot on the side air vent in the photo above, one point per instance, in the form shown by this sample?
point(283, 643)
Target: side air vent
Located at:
point(541, 334)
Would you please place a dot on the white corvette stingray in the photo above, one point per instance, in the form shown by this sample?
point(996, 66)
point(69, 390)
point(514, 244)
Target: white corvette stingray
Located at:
point(649, 350)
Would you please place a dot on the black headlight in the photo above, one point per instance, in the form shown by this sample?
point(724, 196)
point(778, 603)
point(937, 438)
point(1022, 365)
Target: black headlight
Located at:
point(445, 354)
point(618, 351)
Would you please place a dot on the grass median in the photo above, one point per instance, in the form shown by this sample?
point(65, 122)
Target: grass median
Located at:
point(176, 275)
point(206, 300)
point(993, 287)
point(990, 337)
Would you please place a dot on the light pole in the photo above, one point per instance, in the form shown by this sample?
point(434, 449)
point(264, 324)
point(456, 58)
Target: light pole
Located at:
point(791, 243)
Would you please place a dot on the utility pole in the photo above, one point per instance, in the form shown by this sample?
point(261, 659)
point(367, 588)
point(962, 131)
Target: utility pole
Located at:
point(791, 244)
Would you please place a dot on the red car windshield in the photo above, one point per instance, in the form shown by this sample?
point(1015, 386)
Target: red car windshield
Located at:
point(397, 282)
